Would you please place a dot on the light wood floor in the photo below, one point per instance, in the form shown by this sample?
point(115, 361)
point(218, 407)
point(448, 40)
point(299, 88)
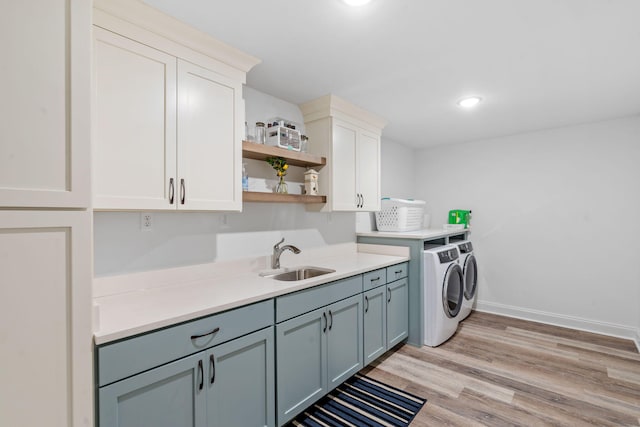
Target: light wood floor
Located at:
point(500, 371)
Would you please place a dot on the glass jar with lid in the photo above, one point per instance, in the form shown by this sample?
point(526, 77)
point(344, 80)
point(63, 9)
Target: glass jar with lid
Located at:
point(261, 133)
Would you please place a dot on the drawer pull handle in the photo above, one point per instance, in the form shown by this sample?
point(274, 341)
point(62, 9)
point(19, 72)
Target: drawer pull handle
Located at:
point(212, 363)
point(330, 317)
point(366, 300)
point(201, 373)
point(398, 271)
point(172, 191)
point(324, 314)
point(195, 337)
point(376, 279)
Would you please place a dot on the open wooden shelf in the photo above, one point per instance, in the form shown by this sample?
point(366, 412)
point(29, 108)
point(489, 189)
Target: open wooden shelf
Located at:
point(253, 196)
point(251, 150)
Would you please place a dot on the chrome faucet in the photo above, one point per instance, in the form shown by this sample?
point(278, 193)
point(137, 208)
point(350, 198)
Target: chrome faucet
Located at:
point(277, 251)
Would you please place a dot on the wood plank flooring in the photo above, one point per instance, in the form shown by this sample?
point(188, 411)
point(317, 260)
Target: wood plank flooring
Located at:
point(501, 371)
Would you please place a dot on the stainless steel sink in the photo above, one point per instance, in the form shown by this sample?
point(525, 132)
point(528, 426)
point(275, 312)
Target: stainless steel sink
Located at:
point(302, 273)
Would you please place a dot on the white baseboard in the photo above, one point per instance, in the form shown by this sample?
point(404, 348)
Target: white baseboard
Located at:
point(604, 328)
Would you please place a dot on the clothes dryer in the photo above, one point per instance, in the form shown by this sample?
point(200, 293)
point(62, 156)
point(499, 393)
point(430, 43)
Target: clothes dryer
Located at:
point(443, 293)
point(470, 275)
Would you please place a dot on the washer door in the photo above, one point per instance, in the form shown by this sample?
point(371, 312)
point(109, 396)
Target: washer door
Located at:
point(452, 290)
point(470, 274)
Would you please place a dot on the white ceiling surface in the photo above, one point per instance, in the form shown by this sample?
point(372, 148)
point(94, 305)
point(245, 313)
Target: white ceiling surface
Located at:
point(538, 64)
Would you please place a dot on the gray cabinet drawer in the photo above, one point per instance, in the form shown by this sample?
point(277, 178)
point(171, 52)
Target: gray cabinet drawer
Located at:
point(374, 278)
point(128, 357)
point(397, 271)
point(297, 303)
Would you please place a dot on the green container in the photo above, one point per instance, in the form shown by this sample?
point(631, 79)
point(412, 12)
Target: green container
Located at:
point(459, 216)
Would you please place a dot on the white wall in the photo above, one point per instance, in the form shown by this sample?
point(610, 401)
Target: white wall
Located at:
point(179, 239)
point(397, 170)
point(555, 221)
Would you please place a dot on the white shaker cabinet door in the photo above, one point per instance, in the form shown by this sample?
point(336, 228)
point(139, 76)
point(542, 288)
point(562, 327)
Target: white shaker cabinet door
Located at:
point(45, 319)
point(209, 140)
point(345, 140)
point(44, 113)
point(368, 171)
point(134, 132)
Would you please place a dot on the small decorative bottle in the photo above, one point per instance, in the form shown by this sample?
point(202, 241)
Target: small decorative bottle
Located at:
point(245, 178)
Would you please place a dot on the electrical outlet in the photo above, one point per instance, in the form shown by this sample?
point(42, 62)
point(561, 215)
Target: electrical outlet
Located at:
point(146, 221)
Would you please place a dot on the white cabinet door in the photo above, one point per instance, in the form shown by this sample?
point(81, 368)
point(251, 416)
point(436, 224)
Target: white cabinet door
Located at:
point(209, 140)
point(45, 319)
point(134, 124)
point(44, 113)
point(356, 168)
point(368, 171)
point(345, 139)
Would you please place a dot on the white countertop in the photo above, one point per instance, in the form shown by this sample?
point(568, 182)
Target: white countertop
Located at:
point(135, 303)
point(418, 234)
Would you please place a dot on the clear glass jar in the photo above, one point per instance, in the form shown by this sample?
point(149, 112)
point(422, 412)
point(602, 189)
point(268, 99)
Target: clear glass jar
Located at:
point(261, 133)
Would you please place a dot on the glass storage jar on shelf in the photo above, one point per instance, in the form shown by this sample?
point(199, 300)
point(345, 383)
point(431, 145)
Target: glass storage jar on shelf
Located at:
point(261, 133)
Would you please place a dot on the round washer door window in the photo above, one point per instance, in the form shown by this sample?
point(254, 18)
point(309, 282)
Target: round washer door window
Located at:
point(470, 277)
point(452, 290)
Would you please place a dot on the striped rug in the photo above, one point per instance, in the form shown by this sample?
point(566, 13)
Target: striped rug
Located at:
point(362, 401)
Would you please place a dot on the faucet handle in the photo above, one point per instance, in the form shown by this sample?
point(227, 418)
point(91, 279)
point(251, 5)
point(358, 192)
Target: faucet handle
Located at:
point(277, 245)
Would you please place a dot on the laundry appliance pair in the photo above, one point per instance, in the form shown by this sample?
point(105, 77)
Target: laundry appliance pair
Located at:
point(450, 289)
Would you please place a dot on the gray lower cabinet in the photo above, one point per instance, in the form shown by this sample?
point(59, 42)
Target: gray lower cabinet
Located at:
point(344, 340)
point(397, 312)
point(386, 316)
point(168, 396)
point(317, 351)
point(241, 382)
point(212, 388)
point(301, 363)
point(201, 373)
point(375, 323)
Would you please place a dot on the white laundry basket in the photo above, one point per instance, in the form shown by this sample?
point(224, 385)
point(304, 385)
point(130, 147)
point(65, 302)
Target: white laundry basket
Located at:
point(400, 215)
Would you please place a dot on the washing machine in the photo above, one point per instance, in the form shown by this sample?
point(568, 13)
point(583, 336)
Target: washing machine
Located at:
point(470, 276)
point(443, 293)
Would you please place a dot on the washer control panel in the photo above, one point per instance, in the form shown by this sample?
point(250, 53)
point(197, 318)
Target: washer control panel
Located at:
point(465, 248)
point(448, 256)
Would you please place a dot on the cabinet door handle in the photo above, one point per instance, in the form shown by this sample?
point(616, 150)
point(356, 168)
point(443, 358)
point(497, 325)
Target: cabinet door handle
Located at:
point(361, 200)
point(201, 373)
point(212, 365)
point(366, 301)
point(324, 330)
point(330, 317)
point(183, 192)
point(172, 191)
point(195, 337)
point(389, 297)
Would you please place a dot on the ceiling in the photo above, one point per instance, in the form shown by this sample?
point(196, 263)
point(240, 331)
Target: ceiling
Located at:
point(538, 64)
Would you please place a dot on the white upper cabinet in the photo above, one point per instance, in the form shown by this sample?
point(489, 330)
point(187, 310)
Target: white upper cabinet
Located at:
point(44, 124)
point(168, 113)
point(134, 125)
point(350, 138)
point(209, 117)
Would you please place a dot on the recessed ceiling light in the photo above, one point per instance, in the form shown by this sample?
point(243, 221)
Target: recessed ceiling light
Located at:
point(356, 2)
point(469, 102)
